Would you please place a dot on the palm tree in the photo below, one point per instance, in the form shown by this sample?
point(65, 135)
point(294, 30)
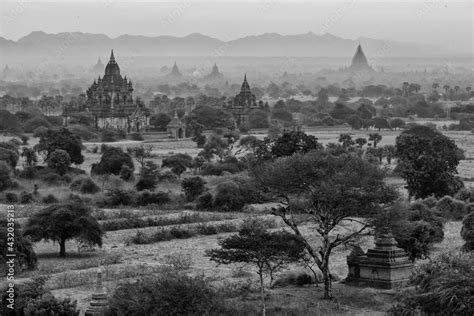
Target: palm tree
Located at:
point(446, 89)
point(468, 89)
point(405, 87)
point(456, 88)
point(435, 86)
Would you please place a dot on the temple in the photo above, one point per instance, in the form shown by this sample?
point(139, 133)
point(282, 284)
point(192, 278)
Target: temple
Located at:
point(215, 75)
point(242, 104)
point(359, 61)
point(110, 101)
point(98, 68)
point(175, 73)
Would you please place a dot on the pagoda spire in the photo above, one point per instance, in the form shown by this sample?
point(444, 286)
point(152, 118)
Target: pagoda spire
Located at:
point(112, 57)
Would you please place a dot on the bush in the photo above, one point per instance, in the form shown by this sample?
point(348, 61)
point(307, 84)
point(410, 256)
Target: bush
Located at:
point(228, 197)
point(49, 199)
point(146, 197)
point(59, 161)
point(32, 124)
point(467, 231)
point(5, 180)
point(83, 132)
point(40, 131)
point(11, 197)
point(204, 201)
point(451, 208)
point(443, 286)
point(218, 168)
point(49, 305)
point(167, 294)
point(85, 185)
point(24, 292)
point(9, 156)
point(25, 197)
point(112, 135)
point(430, 201)
point(51, 178)
point(167, 176)
point(126, 173)
point(465, 194)
point(136, 136)
point(112, 161)
point(118, 197)
point(193, 187)
point(148, 176)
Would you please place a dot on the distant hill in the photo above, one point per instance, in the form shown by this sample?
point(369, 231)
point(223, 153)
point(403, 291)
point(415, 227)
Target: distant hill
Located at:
point(77, 45)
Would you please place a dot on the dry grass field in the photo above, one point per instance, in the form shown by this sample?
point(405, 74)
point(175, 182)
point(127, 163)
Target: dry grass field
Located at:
point(74, 276)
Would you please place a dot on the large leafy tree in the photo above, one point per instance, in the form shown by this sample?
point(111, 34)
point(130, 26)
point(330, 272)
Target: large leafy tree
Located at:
point(62, 222)
point(61, 139)
point(324, 190)
point(211, 117)
point(59, 161)
point(178, 163)
point(286, 145)
point(427, 160)
point(112, 161)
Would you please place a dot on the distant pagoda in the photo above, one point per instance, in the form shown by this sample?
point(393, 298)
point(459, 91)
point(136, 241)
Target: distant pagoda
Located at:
point(359, 61)
point(175, 73)
point(98, 68)
point(214, 75)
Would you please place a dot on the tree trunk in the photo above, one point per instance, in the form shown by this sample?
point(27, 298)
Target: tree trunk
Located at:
point(262, 295)
point(62, 248)
point(327, 280)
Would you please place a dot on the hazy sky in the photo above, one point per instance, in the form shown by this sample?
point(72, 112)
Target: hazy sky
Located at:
point(445, 22)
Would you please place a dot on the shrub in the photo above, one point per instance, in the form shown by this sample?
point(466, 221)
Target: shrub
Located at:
point(49, 305)
point(443, 286)
point(112, 135)
point(11, 197)
point(415, 238)
point(451, 208)
point(84, 185)
point(465, 194)
point(5, 180)
point(40, 131)
point(83, 132)
point(167, 294)
point(207, 229)
point(228, 197)
point(467, 231)
point(136, 136)
point(51, 178)
point(59, 161)
point(126, 173)
point(49, 199)
point(25, 197)
point(24, 292)
point(204, 201)
point(148, 176)
point(193, 187)
point(32, 124)
point(218, 168)
point(167, 176)
point(9, 156)
point(112, 161)
point(146, 197)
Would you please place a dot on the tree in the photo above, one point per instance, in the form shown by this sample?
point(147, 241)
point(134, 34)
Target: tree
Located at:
point(375, 138)
point(111, 161)
point(141, 153)
point(346, 140)
point(255, 246)
point(361, 141)
point(160, 121)
point(148, 176)
point(62, 222)
point(178, 163)
point(5, 180)
point(259, 119)
point(427, 160)
point(397, 123)
point(288, 144)
point(381, 123)
point(389, 152)
point(354, 121)
point(62, 139)
point(332, 189)
point(467, 232)
point(197, 135)
point(9, 122)
point(59, 161)
point(211, 118)
point(193, 187)
point(30, 157)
